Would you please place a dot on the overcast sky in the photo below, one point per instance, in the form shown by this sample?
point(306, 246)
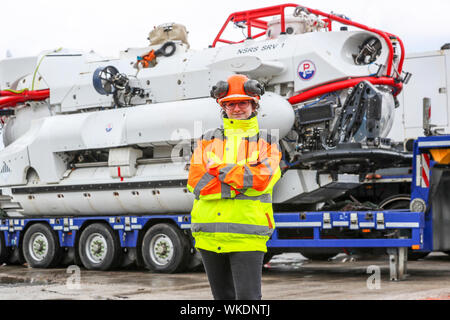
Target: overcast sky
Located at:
point(108, 26)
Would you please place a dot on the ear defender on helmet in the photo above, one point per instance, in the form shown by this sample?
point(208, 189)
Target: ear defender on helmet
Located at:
point(253, 88)
point(237, 87)
point(220, 90)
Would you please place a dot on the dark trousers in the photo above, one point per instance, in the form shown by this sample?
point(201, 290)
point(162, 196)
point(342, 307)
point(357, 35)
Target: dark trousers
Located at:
point(235, 275)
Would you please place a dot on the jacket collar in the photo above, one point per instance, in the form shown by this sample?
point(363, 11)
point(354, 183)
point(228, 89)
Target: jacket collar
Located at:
point(248, 127)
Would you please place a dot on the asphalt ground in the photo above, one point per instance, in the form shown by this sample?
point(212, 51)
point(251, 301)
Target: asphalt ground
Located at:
point(286, 277)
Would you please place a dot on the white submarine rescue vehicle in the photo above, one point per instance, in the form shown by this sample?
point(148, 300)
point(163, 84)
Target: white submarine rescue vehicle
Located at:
point(86, 135)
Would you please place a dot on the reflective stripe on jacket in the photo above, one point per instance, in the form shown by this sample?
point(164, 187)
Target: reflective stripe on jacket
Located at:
point(232, 174)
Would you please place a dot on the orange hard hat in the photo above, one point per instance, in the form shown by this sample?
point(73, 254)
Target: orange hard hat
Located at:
point(238, 87)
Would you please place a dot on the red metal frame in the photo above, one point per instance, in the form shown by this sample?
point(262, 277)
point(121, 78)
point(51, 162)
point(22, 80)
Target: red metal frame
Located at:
point(252, 19)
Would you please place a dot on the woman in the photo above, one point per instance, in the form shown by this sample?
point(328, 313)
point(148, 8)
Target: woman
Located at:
point(232, 174)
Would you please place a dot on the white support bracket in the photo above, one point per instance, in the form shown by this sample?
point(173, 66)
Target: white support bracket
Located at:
point(398, 259)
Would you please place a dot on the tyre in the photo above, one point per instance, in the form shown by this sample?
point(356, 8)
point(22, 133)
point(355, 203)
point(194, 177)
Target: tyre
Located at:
point(267, 257)
point(165, 249)
point(4, 250)
point(99, 247)
point(399, 201)
point(68, 257)
point(15, 257)
point(41, 246)
point(195, 262)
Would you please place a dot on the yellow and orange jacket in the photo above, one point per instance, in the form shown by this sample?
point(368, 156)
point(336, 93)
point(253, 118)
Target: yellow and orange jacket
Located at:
point(232, 174)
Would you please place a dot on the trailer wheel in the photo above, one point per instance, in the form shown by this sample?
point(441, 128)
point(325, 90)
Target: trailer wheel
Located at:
point(165, 249)
point(15, 257)
point(399, 201)
point(99, 247)
point(41, 246)
point(68, 257)
point(4, 250)
point(195, 262)
point(267, 257)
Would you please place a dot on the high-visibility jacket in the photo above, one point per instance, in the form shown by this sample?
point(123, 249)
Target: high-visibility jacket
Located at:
point(232, 173)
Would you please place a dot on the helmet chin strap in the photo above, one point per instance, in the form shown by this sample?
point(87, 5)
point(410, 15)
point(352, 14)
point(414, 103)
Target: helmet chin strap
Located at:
point(252, 115)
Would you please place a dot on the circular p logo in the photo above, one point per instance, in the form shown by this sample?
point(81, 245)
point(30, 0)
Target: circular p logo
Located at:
point(306, 70)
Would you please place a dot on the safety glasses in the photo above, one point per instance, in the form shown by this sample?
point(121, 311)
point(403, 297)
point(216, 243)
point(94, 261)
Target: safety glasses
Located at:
point(242, 105)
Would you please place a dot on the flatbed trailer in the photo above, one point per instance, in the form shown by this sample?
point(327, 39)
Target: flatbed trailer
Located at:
point(293, 230)
point(163, 243)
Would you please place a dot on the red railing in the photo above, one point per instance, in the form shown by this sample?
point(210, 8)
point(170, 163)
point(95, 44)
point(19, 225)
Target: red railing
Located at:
point(382, 34)
point(252, 18)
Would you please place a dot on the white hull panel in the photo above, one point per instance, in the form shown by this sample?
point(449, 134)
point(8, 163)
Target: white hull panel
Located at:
point(96, 193)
